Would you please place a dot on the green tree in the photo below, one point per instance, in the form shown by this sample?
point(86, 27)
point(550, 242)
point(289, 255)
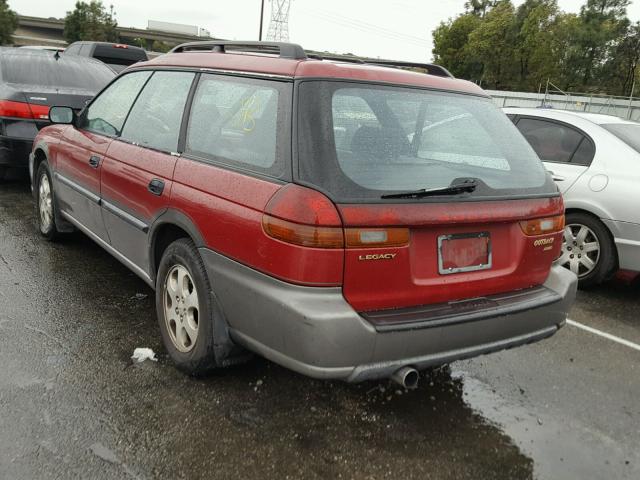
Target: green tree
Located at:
point(493, 43)
point(534, 22)
point(450, 41)
point(8, 22)
point(603, 24)
point(479, 7)
point(162, 47)
point(90, 21)
point(622, 68)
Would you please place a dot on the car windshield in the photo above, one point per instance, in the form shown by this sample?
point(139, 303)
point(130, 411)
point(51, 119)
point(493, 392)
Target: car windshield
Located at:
point(629, 133)
point(359, 142)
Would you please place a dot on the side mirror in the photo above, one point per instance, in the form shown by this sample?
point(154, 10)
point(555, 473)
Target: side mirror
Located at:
point(62, 115)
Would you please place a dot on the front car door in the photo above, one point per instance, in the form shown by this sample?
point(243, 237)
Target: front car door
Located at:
point(138, 169)
point(83, 148)
point(565, 151)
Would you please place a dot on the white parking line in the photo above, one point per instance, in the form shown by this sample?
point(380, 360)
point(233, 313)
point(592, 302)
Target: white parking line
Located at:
point(606, 335)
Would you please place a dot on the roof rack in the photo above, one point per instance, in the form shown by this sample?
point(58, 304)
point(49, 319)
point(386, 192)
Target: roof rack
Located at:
point(284, 50)
point(431, 69)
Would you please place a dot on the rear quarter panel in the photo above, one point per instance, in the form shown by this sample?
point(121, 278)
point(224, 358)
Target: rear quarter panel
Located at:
point(227, 208)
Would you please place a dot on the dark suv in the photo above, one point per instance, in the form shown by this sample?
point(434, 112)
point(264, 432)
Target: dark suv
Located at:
point(117, 55)
point(347, 221)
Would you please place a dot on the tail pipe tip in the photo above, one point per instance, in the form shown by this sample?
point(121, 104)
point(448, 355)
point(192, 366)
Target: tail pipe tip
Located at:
point(407, 377)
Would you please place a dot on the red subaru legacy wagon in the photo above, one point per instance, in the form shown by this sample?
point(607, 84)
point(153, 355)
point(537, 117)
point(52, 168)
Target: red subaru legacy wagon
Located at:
point(347, 221)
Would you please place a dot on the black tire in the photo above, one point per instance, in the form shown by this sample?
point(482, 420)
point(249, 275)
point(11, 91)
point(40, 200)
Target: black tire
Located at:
point(201, 358)
point(47, 229)
point(607, 260)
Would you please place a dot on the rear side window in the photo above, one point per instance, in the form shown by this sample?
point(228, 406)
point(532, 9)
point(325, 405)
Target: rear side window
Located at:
point(629, 133)
point(156, 116)
point(241, 122)
point(108, 111)
point(552, 141)
point(42, 69)
point(360, 142)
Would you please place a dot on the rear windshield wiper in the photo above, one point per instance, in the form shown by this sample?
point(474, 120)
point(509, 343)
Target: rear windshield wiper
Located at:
point(467, 186)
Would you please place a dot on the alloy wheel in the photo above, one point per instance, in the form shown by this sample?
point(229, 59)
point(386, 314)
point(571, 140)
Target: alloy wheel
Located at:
point(45, 203)
point(181, 308)
point(580, 250)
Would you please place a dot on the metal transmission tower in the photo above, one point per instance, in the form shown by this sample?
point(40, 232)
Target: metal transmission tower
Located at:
point(279, 23)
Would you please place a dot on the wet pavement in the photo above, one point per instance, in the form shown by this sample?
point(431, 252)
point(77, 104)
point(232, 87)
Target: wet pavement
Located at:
point(73, 406)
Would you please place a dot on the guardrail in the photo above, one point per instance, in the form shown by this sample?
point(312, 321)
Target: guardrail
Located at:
point(627, 108)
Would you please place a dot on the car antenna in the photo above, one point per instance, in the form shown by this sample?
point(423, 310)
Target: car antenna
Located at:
point(56, 55)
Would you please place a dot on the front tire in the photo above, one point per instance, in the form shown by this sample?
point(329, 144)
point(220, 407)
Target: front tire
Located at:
point(588, 250)
point(45, 203)
point(185, 309)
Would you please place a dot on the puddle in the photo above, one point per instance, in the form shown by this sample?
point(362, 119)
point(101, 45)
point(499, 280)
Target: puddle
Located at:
point(560, 447)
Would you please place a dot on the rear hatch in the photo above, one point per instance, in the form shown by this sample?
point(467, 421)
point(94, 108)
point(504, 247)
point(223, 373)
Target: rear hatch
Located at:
point(440, 196)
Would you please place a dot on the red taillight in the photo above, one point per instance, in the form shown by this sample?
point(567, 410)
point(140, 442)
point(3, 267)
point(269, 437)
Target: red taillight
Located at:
point(9, 108)
point(302, 216)
point(305, 217)
point(303, 235)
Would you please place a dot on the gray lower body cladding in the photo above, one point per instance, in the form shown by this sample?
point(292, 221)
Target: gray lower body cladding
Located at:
point(314, 331)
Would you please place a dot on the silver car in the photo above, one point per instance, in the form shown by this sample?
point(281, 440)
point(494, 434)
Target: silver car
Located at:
point(595, 161)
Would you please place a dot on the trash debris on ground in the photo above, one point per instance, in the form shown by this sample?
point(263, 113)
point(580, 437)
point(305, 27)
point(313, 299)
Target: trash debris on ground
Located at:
point(142, 354)
point(140, 296)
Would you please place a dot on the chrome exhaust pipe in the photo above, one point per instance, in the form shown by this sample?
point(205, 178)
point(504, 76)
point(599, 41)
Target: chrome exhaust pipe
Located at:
point(407, 377)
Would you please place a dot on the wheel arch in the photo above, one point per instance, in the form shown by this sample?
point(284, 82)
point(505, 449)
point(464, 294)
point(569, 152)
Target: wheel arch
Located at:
point(167, 228)
point(40, 154)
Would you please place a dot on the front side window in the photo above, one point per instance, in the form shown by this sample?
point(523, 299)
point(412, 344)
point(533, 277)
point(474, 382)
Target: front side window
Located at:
point(553, 142)
point(240, 122)
point(359, 143)
point(107, 113)
point(155, 119)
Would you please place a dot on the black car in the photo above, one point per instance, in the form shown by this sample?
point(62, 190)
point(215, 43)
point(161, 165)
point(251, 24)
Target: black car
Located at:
point(117, 55)
point(30, 82)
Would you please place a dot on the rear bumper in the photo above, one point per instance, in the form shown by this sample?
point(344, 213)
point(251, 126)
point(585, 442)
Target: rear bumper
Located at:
point(314, 331)
point(14, 152)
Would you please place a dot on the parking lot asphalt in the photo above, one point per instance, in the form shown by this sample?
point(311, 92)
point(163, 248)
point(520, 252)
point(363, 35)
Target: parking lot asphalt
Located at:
point(72, 405)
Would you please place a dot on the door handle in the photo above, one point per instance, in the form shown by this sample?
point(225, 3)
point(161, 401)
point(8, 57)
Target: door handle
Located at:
point(557, 178)
point(94, 161)
point(156, 186)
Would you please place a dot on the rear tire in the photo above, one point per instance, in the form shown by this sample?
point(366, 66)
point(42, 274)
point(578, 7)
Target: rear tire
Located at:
point(588, 250)
point(184, 305)
point(45, 203)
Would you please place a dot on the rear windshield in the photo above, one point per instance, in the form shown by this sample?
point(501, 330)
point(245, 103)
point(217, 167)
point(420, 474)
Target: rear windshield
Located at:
point(358, 142)
point(119, 55)
point(43, 69)
point(629, 133)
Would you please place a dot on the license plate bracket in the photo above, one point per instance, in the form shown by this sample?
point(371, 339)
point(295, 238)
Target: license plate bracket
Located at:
point(464, 252)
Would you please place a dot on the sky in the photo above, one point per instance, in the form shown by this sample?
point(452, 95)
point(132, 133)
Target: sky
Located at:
point(396, 29)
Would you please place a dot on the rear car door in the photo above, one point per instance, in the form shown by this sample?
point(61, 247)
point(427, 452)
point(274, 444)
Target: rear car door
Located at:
point(79, 162)
point(138, 168)
point(565, 151)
